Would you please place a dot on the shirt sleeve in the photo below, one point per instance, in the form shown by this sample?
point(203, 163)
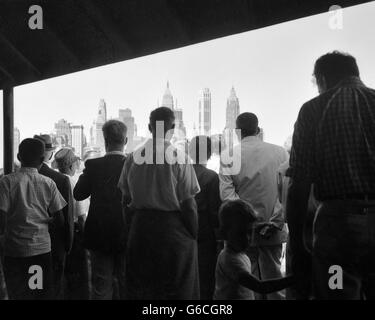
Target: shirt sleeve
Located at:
point(57, 201)
point(123, 184)
point(237, 265)
point(4, 195)
point(187, 182)
point(301, 163)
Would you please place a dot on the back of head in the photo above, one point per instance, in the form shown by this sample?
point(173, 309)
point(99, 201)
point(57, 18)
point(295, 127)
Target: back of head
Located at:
point(164, 115)
point(200, 149)
point(247, 122)
point(235, 215)
point(31, 152)
point(334, 67)
point(114, 132)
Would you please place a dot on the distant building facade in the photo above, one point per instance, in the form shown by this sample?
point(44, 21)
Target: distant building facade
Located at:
point(63, 132)
point(78, 139)
point(125, 115)
point(232, 111)
point(204, 110)
point(98, 126)
point(16, 143)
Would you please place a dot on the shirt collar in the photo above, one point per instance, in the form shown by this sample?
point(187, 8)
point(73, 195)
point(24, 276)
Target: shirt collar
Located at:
point(28, 169)
point(351, 82)
point(250, 139)
point(111, 153)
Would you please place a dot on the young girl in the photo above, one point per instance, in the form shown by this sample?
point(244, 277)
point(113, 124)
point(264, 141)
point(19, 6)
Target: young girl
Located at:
point(233, 269)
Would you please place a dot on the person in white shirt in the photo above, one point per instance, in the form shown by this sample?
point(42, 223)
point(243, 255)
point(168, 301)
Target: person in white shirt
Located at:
point(253, 178)
point(161, 213)
point(76, 269)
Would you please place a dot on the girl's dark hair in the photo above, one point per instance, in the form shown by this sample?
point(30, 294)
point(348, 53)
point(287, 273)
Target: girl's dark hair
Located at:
point(235, 213)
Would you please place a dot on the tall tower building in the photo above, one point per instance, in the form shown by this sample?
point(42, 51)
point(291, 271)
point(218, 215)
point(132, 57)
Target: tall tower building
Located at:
point(78, 140)
point(167, 100)
point(100, 120)
point(204, 105)
point(125, 115)
point(63, 132)
point(233, 110)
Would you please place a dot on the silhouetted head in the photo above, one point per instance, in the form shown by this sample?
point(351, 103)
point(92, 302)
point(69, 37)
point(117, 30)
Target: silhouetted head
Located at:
point(200, 149)
point(332, 68)
point(114, 132)
point(31, 153)
point(162, 117)
point(236, 219)
point(66, 161)
point(49, 148)
point(247, 122)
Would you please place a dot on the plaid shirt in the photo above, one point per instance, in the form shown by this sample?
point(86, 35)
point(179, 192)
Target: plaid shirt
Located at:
point(334, 141)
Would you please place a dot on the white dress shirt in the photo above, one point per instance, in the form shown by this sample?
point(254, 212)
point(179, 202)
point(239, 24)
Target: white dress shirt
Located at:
point(256, 179)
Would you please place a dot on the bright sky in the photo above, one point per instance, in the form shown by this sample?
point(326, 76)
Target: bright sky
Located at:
point(270, 69)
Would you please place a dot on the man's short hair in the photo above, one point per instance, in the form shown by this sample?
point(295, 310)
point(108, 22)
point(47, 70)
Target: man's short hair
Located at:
point(197, 144)
point(114, 132)
point(161, 114)
point(234, 213)
point(335, 66)
point(248, 123)
point(31, 151)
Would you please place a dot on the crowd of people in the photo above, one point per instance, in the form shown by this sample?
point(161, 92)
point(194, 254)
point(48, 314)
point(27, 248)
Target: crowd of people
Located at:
point(158, 224)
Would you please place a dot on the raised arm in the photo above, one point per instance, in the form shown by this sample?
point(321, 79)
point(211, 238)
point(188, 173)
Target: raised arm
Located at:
point(82, 190)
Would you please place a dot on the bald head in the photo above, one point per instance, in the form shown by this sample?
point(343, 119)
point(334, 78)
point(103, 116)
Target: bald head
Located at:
point(247, 122)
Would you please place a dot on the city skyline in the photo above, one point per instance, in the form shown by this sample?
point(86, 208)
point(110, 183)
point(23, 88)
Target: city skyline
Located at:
point(270, 69)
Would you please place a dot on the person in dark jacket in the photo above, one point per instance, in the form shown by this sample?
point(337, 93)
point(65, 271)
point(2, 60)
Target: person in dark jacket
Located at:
point(61, 242)
point(104, 231)
point(208, 203)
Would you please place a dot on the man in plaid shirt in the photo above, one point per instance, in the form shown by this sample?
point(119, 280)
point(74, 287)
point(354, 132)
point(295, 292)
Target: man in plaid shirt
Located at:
point(334, 150)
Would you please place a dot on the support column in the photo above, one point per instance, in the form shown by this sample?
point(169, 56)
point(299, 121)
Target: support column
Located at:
point(8, 119)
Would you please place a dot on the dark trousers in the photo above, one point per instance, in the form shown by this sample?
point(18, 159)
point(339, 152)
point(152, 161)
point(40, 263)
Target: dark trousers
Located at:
point(207, 257)
point(19, 277)
point(77, 270)
point(58, 269)
point(344, 236)
point(108, 275)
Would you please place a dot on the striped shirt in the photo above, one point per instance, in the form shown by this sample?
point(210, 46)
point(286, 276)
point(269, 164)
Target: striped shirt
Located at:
point(334, 141)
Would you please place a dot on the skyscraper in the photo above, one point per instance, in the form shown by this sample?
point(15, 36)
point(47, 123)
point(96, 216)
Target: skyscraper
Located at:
point(100, 120)
point(233, 110)
point(180, 130)
point(125, 115)
point(78, 140)
point(63, 132)
point(204, 122)
point(167, 100)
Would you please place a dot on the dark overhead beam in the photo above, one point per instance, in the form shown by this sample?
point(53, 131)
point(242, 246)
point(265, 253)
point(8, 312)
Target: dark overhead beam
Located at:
point(7, 74)
point(19, 55)
point(67, 48)
point(104, 23)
